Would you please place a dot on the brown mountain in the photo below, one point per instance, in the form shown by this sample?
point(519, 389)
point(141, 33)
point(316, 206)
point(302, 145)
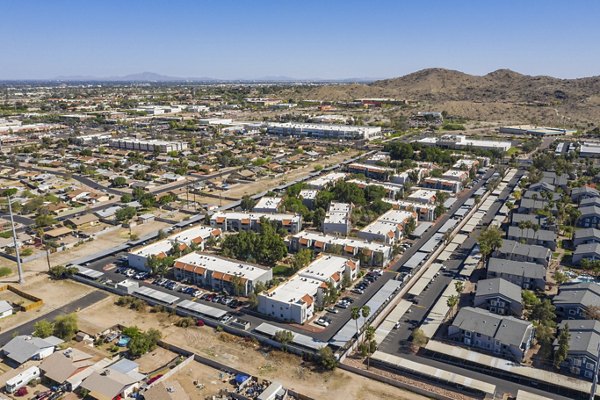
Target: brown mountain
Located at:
point(502, 95)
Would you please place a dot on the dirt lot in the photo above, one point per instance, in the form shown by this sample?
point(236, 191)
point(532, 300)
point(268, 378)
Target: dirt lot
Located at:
point(209, 380)
point(247, 356)
point(265, 184)
point(54, 293)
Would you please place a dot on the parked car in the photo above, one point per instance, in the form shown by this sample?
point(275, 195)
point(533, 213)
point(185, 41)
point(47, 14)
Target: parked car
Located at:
point(358, 291)
point(226, 318)
point(332, 310)
point(322, 321)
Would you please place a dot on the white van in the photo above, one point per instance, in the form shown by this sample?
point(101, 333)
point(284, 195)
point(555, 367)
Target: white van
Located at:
point(14, 384)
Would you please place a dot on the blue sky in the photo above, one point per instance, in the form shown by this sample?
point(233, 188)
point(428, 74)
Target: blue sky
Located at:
point(297, 38)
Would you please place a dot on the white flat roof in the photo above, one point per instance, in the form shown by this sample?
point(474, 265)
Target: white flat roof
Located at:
point(352, 242)
point(218, 264)
point(165, 245)
point(324, 267)
point(294, 289)
point(269, 203)
point(321, 181)
point(255, 215)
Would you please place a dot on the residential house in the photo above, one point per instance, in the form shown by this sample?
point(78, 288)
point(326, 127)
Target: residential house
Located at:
point(503, 336)
point(524, 274)
point(65, 364)
point(118, 380)
point(499, 296)
point(82, 221)
point(574, 300)
point(23, 348)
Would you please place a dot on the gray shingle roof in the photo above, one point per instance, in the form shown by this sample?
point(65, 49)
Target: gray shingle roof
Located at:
point(499, 287)
point(585, 337)
point(22, 348)
point(588, 249)
point(525, 250)
point(508, 330)
point(584, 294)
point(589, 211)
point(540, 234)
point(519, 268)
point(586, 233)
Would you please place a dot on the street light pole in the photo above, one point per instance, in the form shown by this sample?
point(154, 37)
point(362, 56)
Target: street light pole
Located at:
point(12, 224)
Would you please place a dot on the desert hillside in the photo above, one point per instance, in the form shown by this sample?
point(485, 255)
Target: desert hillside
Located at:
point(502, 95)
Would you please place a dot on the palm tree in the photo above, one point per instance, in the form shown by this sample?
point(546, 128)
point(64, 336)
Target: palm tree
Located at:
point(365, 311)
point(355, 314)
point(452, 302)
point(369, 336)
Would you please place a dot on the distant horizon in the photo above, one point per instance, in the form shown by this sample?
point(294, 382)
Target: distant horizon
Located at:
point(149, 76)
point(308, 40)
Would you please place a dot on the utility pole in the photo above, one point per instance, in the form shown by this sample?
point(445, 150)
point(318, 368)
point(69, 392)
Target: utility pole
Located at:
point(595, 381)
point(12, 224)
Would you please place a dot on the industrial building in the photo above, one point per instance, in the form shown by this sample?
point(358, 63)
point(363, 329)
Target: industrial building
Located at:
point(152, 145)
point(462, 142)
point(325, 131)
point(534, 130)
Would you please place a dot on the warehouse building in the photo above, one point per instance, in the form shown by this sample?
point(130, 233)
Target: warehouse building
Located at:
point(325, 131)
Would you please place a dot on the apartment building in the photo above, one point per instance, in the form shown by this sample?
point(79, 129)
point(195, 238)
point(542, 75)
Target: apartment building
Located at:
point(295, 300)
point(250, 221)
point(221, 274)
point(337, 219)
point(389, 227)
point(194, 237)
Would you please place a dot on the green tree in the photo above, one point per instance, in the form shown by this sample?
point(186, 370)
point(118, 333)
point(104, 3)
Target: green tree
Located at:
point(355, 315)
point(43, 220)
point(452, 302)
point(43, 328)
point(301, 259)
point(419, 339)
point(410, 227)
point(327, 358)
point(124, 214)
point(489, 241)
point(370, 342)
point(284, 337)
point(62, 272)
point(560, 355)
point(119, 181)
point(247, 203)
point(65, 326)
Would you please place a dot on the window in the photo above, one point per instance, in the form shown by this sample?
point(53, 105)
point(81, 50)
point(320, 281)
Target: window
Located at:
point(588, 374)
point(577, 362)
point(590, 366)
point(571, 312)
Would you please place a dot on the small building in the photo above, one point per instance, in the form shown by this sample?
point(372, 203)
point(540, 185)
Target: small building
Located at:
point(6, 309)
point(146, 218)
point(82, 221)
point(506, 337)
point(590, 217)
point(23, 348)
point(499, 296)
point(586, 236)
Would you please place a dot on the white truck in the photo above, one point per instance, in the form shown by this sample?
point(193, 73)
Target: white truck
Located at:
point(17, 382)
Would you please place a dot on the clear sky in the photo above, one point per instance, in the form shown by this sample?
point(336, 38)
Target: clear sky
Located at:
point(330, 39)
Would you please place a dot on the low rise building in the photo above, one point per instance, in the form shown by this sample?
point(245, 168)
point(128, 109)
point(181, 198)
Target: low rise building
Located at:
point(23, 348)
point(586, 236)
point(150, 145)
point(389, 227)
point(534, 130)
point(463, 142)
point(371, 171)
point(321, 182)
point(194, 238)
point(589, 217)
point(268, 204)
point(589, 251)
point(442, 184)
point(574, 300)
point(425, 211)
point(524, 274)
point(456, 175)
point(499, 296)
point(338, 219)
point(369, 253)
point(392, 190)
point(423, 196)
point(250, 221)
point(539, 237)
point(517, 251)
point(295, 300)
point(582, 353)
point(221, 274)
point(324, 131)
point(504, 336)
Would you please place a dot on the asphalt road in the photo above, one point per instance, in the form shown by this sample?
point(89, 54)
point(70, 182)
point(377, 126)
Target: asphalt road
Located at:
point(74, 306)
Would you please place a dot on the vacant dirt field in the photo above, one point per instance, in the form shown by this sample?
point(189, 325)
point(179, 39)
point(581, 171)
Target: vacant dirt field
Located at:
point(247, 356)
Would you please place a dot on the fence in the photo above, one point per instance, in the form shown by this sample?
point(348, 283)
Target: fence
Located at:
point(36, 301)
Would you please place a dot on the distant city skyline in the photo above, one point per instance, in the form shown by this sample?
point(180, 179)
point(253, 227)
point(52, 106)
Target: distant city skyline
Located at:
point(329, 40)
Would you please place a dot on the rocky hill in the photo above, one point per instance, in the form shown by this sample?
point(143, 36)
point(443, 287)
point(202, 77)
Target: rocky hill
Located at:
point(502, 95)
